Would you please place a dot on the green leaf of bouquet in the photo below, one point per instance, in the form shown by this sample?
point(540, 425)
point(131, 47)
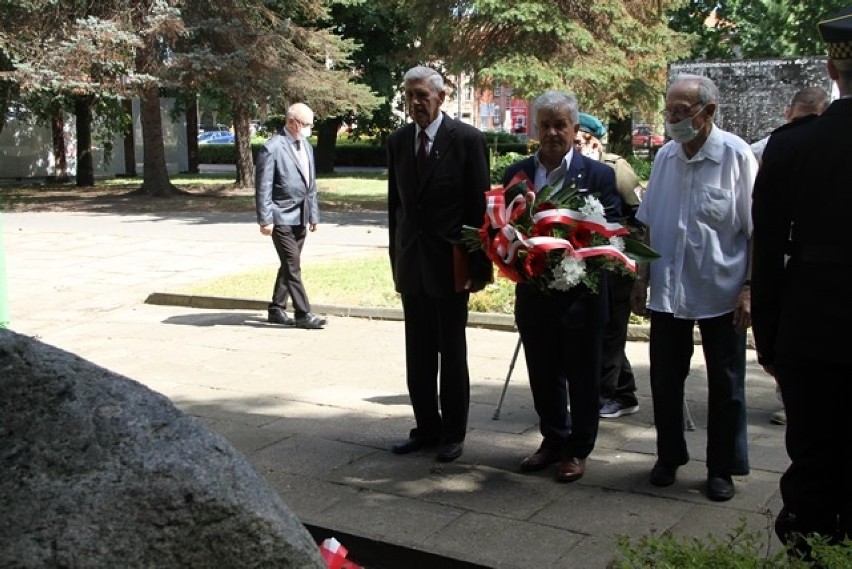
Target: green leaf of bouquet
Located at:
point(638, 251)
point(565, 194)
point(470, 238)
point(542, 196)
point(511, 192)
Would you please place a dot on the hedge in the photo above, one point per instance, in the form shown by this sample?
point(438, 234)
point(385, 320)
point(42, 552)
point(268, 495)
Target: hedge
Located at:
point(349, 154)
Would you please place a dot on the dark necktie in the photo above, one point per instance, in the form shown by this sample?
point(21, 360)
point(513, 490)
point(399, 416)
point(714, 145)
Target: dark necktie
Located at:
point(422, 154)
point(298, 145)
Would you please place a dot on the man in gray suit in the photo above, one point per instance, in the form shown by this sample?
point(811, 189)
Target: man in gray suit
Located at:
point(287, 207)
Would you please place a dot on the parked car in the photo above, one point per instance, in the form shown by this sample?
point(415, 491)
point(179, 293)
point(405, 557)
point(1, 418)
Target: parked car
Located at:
point(216, 137)
point(213, 128)
point(644, 138)
point(208, 134)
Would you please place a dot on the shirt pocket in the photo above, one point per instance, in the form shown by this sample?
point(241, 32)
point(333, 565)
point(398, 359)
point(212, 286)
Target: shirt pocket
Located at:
point(713, 205)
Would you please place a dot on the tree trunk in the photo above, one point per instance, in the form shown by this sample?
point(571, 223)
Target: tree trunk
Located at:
point(242, 140)
point(326, 142)
point(57, 131)
point(192, 136)
point(85, 164)
point(129, 140)
point(618, 139)
point(155, 175)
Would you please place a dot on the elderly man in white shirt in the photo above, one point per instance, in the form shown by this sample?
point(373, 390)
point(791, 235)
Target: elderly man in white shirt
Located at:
point(697, 208)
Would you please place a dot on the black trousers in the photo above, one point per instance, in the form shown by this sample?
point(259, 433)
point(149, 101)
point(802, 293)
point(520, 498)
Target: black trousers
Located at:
point(562, 334)
point(671, 349)
point(817, 486)
point(436, 365)
point(617, 380)
point(288, 241)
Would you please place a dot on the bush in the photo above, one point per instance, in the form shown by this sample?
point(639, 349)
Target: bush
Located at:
point(499, 163)
point(501, 137)
point(361, 153)
point(346, 153)
point(497, 297)
point(642, 166)
point(739, 550)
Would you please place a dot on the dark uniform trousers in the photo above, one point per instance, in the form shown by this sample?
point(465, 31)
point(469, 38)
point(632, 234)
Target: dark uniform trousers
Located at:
point(816, 397)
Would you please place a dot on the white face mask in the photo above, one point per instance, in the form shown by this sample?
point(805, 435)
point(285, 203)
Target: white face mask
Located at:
point(683, 131)
point(305, 131)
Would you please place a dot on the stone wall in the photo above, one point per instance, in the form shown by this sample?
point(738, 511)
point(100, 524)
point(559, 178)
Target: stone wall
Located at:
point(753, 93)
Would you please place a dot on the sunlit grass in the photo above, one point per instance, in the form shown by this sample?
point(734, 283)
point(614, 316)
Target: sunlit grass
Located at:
point(364, 190)
point(362, 282)
point(365, 281)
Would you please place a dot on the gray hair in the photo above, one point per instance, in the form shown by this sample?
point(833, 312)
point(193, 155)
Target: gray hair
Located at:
point(422, 72)
point(557, 101)
point(707, 90)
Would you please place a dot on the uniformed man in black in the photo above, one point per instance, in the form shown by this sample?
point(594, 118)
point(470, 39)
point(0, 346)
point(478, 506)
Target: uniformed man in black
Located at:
point(801, 307)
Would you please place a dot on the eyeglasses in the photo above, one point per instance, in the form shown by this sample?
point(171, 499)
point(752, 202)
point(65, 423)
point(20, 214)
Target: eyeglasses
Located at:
point(303, 124)
point(679, 113)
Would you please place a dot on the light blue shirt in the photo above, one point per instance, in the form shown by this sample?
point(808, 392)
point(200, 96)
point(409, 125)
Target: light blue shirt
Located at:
point(698, 211)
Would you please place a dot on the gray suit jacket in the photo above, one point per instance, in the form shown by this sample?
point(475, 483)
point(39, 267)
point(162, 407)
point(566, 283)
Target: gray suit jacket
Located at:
point(282, 194)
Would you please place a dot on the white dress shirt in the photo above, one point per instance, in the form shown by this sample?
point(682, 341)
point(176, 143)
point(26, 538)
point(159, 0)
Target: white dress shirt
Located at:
point(698, 211)
point(302, 156)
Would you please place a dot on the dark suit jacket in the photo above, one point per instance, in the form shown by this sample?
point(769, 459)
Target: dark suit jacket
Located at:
point(426, 212)
point(804, 183)
point(282, 195)
point(577, 307)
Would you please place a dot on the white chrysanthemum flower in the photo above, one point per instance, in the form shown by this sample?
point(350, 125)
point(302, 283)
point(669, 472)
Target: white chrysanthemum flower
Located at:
point(568, 273)
point(592, 207)
point(617, 241)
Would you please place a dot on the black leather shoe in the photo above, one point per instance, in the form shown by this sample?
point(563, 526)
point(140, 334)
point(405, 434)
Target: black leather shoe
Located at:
point(662, 474)
point(410, 445)
point(450, 451)
point(310, 321)
point(277, 316)
point(720, 487)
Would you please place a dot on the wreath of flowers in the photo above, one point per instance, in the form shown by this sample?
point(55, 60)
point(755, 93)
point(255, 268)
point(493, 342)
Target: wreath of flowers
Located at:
point(554, 239)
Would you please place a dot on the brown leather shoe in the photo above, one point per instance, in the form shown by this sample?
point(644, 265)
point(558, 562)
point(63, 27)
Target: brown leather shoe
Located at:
point(571, 469)
point(541, 458)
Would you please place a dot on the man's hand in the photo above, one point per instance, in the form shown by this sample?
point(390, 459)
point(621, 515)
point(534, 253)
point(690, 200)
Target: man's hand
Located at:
point(474, 285)
point(742, 311)
point(312, 227)
point(639, 297)
point(266, 229)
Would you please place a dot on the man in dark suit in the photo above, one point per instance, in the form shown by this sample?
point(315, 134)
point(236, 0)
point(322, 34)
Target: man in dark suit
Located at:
point(801, 307)
point(807, 102)
point(287, 207)
point(562, 331)
point(437, 178)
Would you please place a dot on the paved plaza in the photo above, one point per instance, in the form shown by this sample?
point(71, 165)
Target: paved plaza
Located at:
point(315, 411)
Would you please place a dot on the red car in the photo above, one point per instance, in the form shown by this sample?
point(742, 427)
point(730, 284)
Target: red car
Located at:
point(644, 138)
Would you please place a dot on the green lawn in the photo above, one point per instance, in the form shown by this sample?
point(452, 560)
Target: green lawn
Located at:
point(362, 282)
